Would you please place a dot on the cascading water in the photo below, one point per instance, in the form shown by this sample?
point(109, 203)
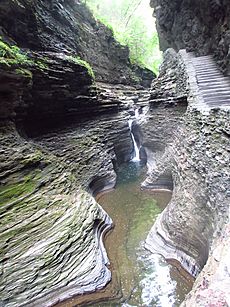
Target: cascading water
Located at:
point(136, 157)
point(136, 113)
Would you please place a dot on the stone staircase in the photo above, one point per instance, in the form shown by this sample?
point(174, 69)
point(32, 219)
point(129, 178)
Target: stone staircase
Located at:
point(209, 87)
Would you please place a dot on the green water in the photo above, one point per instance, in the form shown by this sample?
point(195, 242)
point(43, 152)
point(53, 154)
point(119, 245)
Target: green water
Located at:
point(140, 278)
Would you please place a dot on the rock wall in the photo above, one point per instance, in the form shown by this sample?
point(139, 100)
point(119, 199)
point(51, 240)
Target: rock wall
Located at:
point(46, 94)
point(69, 27)
point(51, 227)
point(199, 26)
point(199, 206)
point(62, 135)
point(47, 224)
point(192, 229)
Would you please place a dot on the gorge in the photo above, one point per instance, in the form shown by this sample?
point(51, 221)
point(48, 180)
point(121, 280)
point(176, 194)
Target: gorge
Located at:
point(73, 110)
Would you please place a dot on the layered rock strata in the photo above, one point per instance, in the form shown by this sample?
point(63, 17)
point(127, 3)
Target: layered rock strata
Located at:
point(167, 105)
point(69, 27)
point(202, 27)
point(192, 227)
point(199, 203)
point(51, 227)
point(51, 230)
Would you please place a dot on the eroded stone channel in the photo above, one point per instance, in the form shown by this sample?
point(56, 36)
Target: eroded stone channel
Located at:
point(144, 279)
point(139, 278)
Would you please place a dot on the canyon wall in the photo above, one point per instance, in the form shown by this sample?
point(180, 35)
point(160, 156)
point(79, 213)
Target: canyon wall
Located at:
point(51, 227)
point(199, 26)
point(192, 228)
point(62, 135)
point(69, 27)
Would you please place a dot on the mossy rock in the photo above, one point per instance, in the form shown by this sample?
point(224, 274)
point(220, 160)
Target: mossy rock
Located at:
point(79, 61)
point(12, 57)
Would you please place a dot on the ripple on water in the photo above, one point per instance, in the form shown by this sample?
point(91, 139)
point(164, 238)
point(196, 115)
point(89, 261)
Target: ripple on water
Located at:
point(139, 277)
point(158, 288)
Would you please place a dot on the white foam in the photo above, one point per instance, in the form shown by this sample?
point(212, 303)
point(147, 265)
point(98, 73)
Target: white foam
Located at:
point(158, 289)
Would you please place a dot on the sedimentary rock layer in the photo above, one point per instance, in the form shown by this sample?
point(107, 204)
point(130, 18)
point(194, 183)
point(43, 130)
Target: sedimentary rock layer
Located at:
point(199, 26)
point(192, 228)
point(199, 203)
point(51, 228)
point(69, 27)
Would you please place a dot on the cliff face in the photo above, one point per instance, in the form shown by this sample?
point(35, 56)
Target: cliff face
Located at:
point(199, 26)
point(51, 227)
point(47, 79)
point(61, 136)
point(69, 27)
point(192, 228)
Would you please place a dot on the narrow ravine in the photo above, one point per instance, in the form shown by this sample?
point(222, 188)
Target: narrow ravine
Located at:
point(141, 278)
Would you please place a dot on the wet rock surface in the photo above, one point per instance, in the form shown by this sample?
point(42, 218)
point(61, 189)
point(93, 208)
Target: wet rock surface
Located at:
point(69, 27)
point(202, 27)
point(47, 222)
point(193, 224)
point(212, 285)
point(51, 227)
point(199, 203)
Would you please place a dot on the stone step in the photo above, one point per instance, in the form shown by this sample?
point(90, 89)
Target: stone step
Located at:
point(210, 75)
point(213, 79)
point(202, 64)
point(217, 82)
point(201, 58)
point(205, 66)
point(203, 61)
point(218, 100)
point(217, 96)
point(208, 70)
point(217, 90)
point(216, 74)
point(225, 82)
point(212, 90)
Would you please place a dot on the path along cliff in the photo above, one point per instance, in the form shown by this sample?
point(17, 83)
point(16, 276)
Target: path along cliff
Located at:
point(193, 227)
point(62, 136)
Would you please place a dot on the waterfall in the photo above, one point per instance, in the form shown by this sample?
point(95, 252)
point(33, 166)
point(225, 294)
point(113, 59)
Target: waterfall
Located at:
point(136, 157)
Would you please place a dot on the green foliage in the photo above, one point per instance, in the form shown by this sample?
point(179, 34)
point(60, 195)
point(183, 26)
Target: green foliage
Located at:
point(13, 56)
point(25, 72)
point(133, 25)
point(12, 192)
point(79, 61)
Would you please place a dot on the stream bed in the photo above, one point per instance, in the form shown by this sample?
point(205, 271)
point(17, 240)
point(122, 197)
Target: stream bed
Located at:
point(141, 278)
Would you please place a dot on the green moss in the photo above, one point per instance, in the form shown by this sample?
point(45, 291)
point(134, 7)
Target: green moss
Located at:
point(11, 192)
point(25, 72)
point(13, 56)
point(41, 64)
point(79, 61)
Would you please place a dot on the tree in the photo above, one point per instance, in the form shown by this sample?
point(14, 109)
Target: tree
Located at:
point(130, 28)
